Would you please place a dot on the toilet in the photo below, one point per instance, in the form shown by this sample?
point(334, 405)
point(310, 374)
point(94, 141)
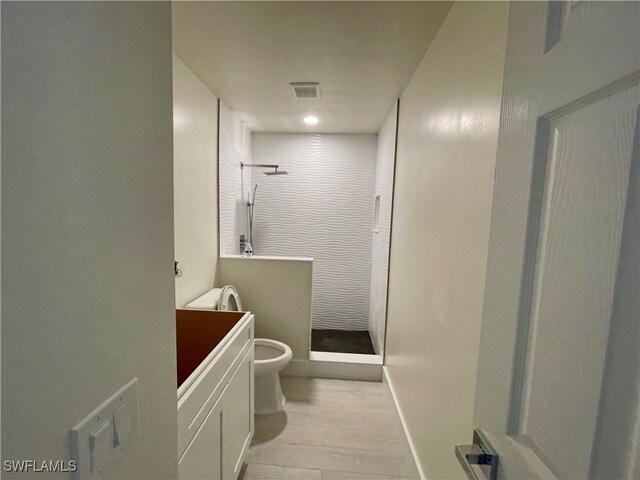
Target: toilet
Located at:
point(270, 356)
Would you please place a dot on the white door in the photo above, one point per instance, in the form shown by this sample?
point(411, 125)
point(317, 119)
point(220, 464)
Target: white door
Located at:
point(558, 392)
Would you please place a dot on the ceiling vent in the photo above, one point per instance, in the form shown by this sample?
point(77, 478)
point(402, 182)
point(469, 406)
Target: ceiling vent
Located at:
point(305, 90)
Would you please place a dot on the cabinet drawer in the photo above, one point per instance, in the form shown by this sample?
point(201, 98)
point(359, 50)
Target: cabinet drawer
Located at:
point(202, 392)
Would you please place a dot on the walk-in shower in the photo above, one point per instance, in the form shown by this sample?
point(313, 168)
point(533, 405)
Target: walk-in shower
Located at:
point(328, 213)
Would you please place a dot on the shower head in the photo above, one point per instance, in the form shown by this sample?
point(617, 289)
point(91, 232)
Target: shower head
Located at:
point(265, 165)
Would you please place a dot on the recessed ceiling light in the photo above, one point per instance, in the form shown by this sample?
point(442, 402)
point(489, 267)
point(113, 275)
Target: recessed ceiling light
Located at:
point(310, 120)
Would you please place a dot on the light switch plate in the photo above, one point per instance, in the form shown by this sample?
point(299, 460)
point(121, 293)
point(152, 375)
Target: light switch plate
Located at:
point(106, 434)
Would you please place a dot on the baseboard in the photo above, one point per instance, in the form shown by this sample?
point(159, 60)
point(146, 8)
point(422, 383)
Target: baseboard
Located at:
point(296, 368)
point(400, 419)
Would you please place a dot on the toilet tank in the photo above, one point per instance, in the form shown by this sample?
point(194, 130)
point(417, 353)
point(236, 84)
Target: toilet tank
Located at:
point(207, 301)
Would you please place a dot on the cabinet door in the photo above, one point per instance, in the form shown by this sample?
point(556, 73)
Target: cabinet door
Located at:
point(203, 457)
point(237, 418)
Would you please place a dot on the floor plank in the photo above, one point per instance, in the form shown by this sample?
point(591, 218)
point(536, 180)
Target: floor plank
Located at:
point(275, 472)
point(333, 475)
point(338, 458)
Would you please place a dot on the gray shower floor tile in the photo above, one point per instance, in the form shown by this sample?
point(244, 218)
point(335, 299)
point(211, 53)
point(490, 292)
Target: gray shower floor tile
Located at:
point(341, 341)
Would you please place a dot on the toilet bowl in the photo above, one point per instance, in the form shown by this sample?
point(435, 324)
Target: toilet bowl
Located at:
point(271, 357)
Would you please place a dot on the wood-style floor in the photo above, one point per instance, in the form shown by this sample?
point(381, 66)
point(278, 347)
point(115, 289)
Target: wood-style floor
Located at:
point(330, 430)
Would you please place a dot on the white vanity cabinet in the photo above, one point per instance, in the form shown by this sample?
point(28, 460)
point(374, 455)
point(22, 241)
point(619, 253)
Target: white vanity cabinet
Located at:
point(215, 393)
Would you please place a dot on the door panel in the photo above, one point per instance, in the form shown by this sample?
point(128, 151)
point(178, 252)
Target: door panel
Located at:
point(570, 16)
point(601, 52)
point(614, 455)
point(588, 162)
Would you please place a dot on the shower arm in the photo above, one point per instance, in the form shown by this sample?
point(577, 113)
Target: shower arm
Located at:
point(261, 165)
point(264, 165)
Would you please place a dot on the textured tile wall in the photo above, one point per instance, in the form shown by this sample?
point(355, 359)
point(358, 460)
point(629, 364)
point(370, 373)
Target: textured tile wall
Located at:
point(380, 250)
point(234, 147)
point(322, 209)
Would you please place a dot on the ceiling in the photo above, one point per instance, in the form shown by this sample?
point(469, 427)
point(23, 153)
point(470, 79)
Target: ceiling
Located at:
point(362, 53)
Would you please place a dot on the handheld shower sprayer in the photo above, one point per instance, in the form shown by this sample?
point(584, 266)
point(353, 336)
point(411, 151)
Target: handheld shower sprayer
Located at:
point(251, 200)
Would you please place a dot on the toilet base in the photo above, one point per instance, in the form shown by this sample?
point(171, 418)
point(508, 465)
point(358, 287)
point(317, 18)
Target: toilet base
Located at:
point(268, 394)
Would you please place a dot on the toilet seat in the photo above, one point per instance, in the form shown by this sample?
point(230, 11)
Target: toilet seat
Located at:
point(225, 298)
point(229, 299)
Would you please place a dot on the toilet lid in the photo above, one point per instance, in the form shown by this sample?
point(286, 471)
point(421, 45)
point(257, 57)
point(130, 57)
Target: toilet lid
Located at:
point(229, 299)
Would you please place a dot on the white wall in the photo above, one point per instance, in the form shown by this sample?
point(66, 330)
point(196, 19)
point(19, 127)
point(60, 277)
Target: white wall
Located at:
point(385, 161)
point(234, 184)
point(448, 127)
point(195, 183)
point(278, 292)
point(322, 209)
point(87, 226)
